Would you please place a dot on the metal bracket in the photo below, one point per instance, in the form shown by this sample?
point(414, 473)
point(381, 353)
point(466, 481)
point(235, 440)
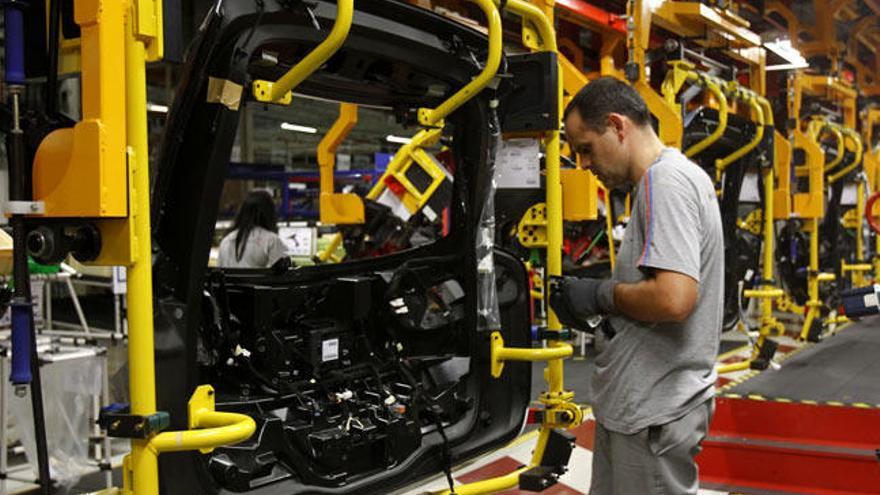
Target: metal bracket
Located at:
point(25, 207)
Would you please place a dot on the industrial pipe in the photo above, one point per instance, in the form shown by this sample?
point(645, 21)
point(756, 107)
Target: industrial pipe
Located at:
point(709, 84)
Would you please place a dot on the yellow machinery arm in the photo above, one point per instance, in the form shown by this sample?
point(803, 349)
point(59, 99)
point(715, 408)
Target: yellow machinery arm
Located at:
point(337, 208)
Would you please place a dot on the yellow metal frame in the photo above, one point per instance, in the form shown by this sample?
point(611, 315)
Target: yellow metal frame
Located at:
point(870, 118)
point(337, 208)
point(751, 99)
point(76, 172)
point(432, 119)
point(280, 91)
point(99, 171)
point(768, 293)
point(683, 72)
point(559, 410)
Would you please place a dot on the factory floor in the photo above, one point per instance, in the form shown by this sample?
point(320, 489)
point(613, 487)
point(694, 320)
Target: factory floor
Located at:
point(578, 371)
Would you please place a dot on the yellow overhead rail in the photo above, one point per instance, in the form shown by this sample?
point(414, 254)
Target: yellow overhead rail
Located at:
point(683, 72)
point(280, 91)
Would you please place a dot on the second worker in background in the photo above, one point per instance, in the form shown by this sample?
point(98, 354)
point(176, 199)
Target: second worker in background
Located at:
point(653, 388)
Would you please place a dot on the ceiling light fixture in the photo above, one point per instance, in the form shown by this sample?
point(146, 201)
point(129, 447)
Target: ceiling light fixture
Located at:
point(298, 128)
point(397, 139)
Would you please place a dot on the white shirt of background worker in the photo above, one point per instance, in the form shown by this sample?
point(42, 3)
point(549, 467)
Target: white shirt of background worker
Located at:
point(653, 388)
point(254, 240)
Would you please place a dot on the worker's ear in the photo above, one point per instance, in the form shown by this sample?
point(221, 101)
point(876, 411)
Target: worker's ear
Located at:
point(617, 124)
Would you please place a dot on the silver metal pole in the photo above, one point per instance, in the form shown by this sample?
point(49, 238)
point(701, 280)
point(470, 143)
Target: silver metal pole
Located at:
point(47, 303)
point(79, 311)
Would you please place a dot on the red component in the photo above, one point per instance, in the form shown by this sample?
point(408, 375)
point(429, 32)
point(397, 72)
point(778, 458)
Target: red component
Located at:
point(791, 448)
point(534, 416)
point(869, 212)
point(594, 14)
point(396, 187)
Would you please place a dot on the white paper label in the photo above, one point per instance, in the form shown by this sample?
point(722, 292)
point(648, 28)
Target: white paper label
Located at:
point(517, 164)
point(329, 350)
point(871, 300)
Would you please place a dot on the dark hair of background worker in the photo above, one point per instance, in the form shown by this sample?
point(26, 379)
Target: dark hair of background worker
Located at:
point(653, 386)
point(254, 241)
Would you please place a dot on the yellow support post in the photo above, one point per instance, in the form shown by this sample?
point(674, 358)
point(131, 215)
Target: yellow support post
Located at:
point(141, 466)
point(142, 375)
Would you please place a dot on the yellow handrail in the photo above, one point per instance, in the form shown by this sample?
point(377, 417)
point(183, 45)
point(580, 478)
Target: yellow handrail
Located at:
point(536, 16)
point(723, 163)
point(499, 354)
point(430, 117)
point(857, 160)
point(208, 428)
point(814, 130)
point(311, 62)
point(714, 88)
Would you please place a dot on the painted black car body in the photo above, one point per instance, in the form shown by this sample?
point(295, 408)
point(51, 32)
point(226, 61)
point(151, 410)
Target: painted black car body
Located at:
point(374, 419)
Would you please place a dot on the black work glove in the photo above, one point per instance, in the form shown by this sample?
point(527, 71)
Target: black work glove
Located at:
point(574, 300)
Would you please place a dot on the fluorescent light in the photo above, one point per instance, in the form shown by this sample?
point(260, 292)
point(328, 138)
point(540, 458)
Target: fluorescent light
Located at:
point(152, 107)
point(298, 128)
point(783, 48)
point(397, 139)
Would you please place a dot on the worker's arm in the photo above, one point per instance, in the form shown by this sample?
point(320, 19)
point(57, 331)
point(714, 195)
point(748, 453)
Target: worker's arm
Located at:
point(667, 296)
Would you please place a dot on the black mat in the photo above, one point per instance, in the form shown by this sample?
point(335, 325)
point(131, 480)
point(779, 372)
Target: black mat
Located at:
point(843, 368)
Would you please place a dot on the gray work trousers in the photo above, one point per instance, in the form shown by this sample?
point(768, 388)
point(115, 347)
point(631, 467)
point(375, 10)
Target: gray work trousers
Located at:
point(658, 460)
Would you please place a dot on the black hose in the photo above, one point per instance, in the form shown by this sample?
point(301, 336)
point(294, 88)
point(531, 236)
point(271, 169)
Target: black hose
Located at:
point(19, 172)
point(51, 95)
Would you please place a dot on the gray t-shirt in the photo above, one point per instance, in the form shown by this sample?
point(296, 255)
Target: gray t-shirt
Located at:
point(261, 250)
point(654, 373)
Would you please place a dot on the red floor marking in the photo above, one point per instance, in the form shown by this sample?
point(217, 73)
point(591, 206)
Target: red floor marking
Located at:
point(735, 359)
point(722, 381)
point(785, 349)
point(584, 434)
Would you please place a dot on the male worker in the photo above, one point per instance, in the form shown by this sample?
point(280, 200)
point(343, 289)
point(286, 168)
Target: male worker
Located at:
point(654, 382)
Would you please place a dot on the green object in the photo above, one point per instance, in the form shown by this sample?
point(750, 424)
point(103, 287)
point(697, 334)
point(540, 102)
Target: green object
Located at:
point(158, 421)
point(35, 267)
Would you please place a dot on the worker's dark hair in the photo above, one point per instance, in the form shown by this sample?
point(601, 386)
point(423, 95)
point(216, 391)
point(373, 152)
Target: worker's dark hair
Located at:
point(257, 210)
point(606, 95)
